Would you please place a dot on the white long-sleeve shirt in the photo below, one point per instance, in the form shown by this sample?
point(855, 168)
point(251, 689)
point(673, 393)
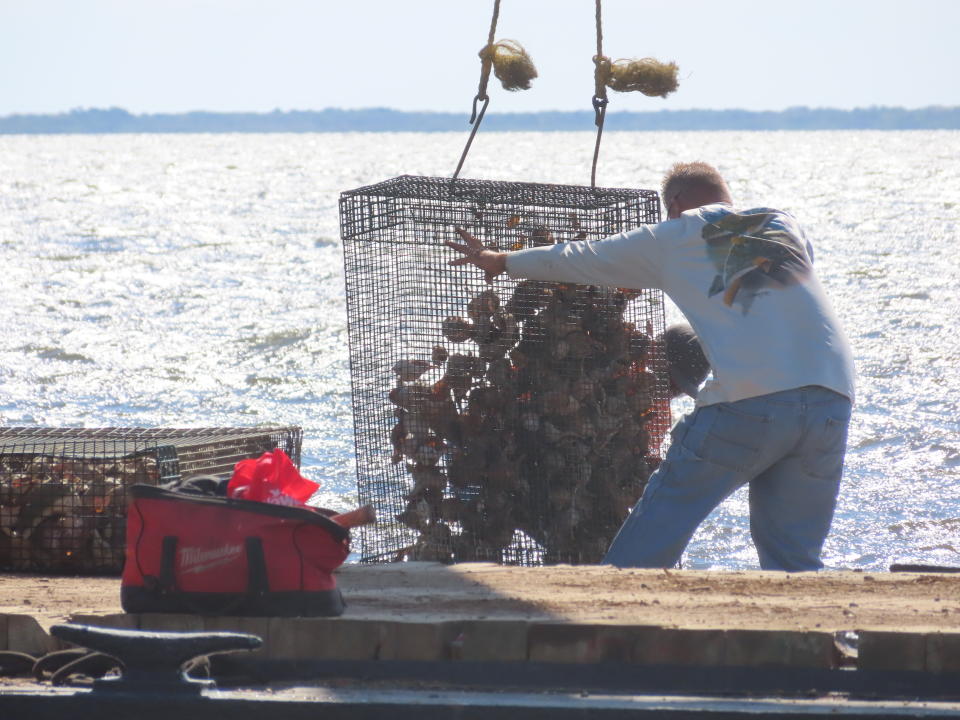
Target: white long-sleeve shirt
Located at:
point(745, 282)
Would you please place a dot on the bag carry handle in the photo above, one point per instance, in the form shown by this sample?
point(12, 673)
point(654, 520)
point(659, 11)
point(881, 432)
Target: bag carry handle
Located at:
point(258, 583)
point(168, 552)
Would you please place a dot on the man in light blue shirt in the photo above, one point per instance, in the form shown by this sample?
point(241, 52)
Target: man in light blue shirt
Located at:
point(775, 414)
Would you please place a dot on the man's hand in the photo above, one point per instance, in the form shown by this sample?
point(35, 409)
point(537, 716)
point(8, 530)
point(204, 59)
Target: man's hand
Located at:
point(474, 253)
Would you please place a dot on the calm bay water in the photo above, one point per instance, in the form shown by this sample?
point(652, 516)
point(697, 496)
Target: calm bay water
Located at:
point(197, 280)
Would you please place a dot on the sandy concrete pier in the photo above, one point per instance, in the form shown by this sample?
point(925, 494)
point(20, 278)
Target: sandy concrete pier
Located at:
point(427, 611)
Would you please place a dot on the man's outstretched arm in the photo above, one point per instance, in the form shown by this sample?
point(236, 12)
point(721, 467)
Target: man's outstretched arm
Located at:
point(626, 260)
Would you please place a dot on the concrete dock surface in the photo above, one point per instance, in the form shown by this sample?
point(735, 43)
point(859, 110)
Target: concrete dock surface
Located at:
point(572, 614)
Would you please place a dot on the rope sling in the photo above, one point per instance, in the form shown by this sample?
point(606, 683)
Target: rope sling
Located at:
point(513, 67)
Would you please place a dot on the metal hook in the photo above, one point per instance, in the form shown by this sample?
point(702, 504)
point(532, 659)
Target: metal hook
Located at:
point(476, 119)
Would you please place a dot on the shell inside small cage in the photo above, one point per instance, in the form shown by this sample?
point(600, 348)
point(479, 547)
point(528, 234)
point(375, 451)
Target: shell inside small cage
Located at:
point(517, 422)
point(63, 491)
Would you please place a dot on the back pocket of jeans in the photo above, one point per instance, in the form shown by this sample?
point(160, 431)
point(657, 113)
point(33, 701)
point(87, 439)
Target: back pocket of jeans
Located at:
point(727, 437)
point(826, 446)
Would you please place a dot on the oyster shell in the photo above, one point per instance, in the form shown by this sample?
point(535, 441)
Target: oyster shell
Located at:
point(457, 329)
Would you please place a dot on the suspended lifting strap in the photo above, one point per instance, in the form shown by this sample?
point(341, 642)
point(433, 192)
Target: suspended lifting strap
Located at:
point(513, 68)
point(646, 75)
point(601, 75)
point(486, 62)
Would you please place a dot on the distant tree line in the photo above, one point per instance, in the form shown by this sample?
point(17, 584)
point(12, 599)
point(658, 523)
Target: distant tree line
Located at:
point(117, 120)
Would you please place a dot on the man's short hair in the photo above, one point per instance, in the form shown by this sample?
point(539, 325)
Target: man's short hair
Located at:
point(698, 176)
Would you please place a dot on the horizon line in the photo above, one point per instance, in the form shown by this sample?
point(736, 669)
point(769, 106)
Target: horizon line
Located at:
point(373, 120)
point(381, 108)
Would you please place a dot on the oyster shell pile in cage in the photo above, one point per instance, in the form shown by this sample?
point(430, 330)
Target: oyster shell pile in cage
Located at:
point(537, 425)
point(66, 513)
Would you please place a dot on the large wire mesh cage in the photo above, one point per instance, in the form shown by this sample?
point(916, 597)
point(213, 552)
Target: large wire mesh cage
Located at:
point(63, 491)
point(515, 422)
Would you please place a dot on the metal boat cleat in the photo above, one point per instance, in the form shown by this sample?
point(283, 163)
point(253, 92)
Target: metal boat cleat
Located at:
point(154, 661)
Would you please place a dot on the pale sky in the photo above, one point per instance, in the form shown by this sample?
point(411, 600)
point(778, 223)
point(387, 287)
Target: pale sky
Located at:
point(247, 55)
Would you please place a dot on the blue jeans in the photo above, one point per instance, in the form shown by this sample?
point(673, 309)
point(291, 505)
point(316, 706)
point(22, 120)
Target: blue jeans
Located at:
point(788, 446)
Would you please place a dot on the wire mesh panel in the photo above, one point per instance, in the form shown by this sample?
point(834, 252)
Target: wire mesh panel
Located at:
point(63, 491)
point(516, 422)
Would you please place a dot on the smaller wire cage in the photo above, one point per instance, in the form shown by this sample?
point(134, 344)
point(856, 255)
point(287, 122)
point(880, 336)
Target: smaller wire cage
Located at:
point(515, 422)
point(63, 491)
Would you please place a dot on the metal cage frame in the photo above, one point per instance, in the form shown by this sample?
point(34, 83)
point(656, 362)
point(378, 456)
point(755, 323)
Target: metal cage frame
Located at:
point(405, 306)
point(63, 491)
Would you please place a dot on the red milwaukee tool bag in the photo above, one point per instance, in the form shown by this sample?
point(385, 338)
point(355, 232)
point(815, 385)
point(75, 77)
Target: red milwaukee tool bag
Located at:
point(206, 554)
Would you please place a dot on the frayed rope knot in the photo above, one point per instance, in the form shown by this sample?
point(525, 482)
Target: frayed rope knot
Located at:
point(646, 75)
point(603, 68)
point(601, 75)
point(511, 64)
